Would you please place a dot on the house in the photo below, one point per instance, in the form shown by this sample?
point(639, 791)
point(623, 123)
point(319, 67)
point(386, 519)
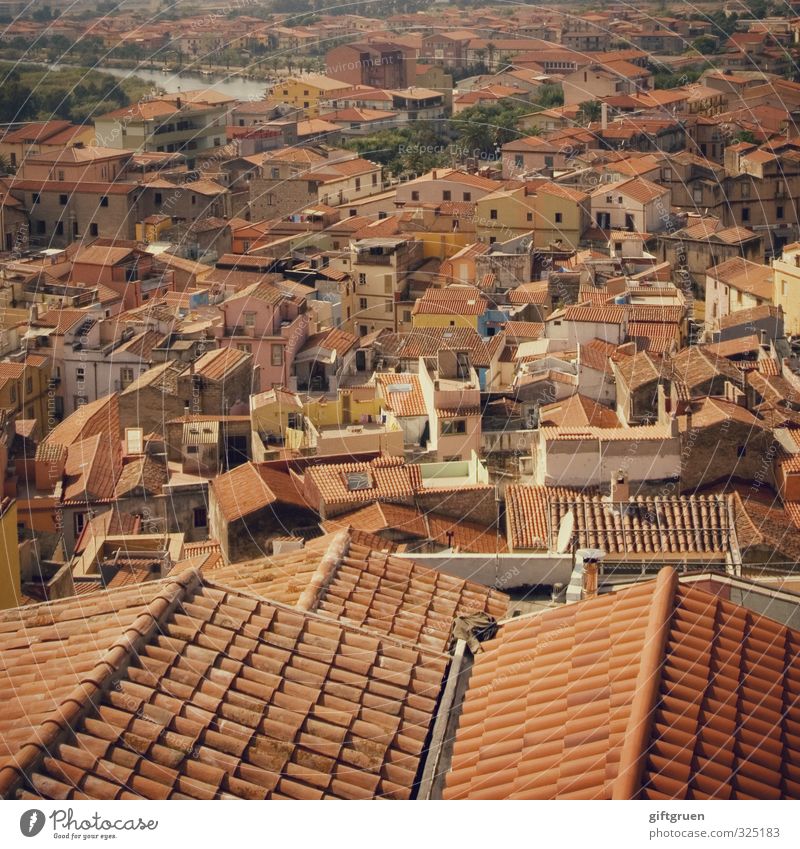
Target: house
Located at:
point(589, 456)
point(188, 123)
point(638, 377)
point(786, 286)
point(251, 504)
point(379, 269)
point(323, 359)
point(633, 204)
point(307, 93)
point(267, 322)
point(736, 284)
point(377, 64)
point(704, 243)
point(600, 80)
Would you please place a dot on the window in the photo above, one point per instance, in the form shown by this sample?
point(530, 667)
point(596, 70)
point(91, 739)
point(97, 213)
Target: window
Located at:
point(745, 213)
point(559, 217)
point(28, 385)
point(74, 228)
point(452, 427)
point(104, 199)
point(519, 162)
point(779, 212)
point(275, 173)
point(276, 355)
point(35, 198)
point(80, 374)
point(493, 214)
point(362, 279)
point(126, 376)
point(548, 162)
point(13, 394)
point(406, 316)
point(388, 305)
point(62, 199)
point(41, 228)
point(414, 195)
point(358, 184)
point(194, 199)
point(59, 228)
point(446, 195)
point(200, 517)
point(80, 521)
point(362, 303)
point(609, 199)
point(157, 198)
point(249, 319)
point(529, 216)
point(93, 229)
point(467, 196)
point(270, 199)
point(244, 346)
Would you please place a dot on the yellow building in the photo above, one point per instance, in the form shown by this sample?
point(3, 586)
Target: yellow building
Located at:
point(453, 306)
point(551, 211)
point(152, 228)
point(24, 390)
point(306, 92)
point(9, 555)
point(503, 215)
point(786, 284)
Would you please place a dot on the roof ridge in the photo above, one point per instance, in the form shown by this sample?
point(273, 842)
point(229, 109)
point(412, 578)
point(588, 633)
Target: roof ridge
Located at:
point(55, 727)
point(326, 569)
point(642, 712)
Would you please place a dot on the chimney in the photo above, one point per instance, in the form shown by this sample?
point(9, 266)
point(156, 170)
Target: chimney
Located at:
point(589, 579)
point(178, 102)
point(603, 115)
point(620, 489)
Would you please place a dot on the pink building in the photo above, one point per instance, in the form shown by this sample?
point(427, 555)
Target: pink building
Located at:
point(268, 323)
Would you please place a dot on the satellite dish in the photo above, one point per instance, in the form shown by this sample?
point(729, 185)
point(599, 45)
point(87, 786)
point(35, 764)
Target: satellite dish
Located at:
point(566, 528)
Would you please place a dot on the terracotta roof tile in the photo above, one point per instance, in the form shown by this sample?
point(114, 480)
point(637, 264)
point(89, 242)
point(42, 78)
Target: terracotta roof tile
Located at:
point(645, 525)
point(610, 698)
point(218, 694)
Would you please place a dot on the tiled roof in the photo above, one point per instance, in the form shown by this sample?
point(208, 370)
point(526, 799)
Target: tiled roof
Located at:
point(643, 525)
point(451, 301)
point(639, 369)
point(339, 577)
point(530, 293)
point(335, 339)
point(660, 691)
point(142, 475)
point(750, 315)
point(576, 411)
point(217, 694)
point(386, 478)
point(219, 362)
point(597, 315)
point(409, 521)
point(745, 276)
point(595, 354)
point(427, 341)
point(402, 393)
point(241, 491)
point(694, 366)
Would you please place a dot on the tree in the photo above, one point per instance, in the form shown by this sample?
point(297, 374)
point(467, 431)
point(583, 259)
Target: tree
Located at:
point(589, 111)
point(706, 45)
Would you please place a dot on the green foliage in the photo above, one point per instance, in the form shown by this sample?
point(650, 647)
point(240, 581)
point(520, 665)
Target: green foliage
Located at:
point(589, 111)
point(550, 95)
point(483, 129)
point(706, 45)
point(30, 92)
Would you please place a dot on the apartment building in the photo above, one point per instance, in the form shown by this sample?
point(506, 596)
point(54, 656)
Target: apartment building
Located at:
point(378, 268)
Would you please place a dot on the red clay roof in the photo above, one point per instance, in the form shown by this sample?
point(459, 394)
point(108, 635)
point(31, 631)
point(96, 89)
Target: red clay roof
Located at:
point(661, 691)
point(217, 694)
